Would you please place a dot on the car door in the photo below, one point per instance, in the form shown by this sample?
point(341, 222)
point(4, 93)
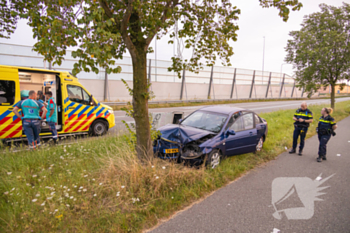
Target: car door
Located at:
point(234, 144)
point(260, 127)
point(78, 110)
point(250, 132)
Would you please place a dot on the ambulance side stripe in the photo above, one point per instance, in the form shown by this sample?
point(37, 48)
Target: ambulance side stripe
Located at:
point(15, 117)
point(91, 112)
point(74, 110)
point(99, 112)
point(2, 116)
point(10, 126)
point(83, 111)
point(4, 120)
point(83, 123)
point(74, 123)
point(16, 131)
point(70, 105)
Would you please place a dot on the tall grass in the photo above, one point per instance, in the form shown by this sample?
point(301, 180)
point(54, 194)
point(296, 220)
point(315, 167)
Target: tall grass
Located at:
point(98, 185)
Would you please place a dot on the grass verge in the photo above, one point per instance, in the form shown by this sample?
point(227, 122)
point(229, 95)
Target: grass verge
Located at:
point(99, 186)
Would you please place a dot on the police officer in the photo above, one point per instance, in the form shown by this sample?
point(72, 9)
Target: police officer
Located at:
point(31, 119)
point(325, 129)
point(302, 119)
point(51, 116)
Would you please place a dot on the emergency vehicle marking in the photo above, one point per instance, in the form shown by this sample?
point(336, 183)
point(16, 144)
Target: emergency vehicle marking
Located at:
point(80, 118)
point(10, 130)
point(75, 117)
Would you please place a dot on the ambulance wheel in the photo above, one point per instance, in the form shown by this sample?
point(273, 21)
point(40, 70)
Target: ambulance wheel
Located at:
point(99, 128)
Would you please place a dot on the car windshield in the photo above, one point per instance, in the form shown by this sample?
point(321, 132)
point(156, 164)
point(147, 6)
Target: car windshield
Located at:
point(206, 120)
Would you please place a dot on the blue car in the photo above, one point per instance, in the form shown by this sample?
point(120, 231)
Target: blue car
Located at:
point(210, 133)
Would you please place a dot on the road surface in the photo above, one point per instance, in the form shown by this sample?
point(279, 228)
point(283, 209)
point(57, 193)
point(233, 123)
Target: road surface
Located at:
point(257, 107)
point(245, 205)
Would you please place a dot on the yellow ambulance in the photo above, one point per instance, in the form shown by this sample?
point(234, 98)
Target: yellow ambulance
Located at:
point(78, 112)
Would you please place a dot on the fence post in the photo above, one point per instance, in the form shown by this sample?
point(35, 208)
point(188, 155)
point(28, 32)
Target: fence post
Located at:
point(106, 85)
point(251, 88)
point(293, 89)
point(210, 81)
point(268, 85)
point(182, 84)
point(149, 72)
point(233, 83)
point(302, 92)
point(284, 75)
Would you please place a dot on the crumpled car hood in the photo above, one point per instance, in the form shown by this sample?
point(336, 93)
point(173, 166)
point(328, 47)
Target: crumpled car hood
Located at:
point(182, 134)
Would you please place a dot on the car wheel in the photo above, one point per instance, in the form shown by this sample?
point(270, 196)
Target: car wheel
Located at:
point(213, 159)
point(99, 128)
point(260, 144)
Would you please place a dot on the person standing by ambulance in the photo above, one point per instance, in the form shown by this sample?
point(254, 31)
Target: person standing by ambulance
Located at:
point(325, 130)
point(51, 116)
point(302, 119)
point(31, 119)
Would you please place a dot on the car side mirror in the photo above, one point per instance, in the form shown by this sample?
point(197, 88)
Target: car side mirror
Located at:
point(230, 132)
point(180, 120)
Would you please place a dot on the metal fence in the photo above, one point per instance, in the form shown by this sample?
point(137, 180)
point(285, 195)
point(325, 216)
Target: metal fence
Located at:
point(216, 79)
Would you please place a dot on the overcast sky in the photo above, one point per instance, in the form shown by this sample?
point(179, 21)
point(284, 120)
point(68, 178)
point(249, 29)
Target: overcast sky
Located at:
point(254, 22)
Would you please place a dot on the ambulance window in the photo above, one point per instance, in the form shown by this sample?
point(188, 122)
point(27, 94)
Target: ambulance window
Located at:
point(86, 97)
point(75, 94)
point(7, 92)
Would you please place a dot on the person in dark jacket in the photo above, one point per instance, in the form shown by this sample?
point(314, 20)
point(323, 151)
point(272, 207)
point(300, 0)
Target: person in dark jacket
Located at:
point(325, 130)
point(302, 119)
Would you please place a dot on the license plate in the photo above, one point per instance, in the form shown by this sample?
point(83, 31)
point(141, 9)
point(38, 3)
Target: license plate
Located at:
point(171, 151)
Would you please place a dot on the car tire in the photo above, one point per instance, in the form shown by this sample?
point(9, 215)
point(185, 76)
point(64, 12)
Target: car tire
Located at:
point(213, 159)
point(260, 145)
point(99, 128)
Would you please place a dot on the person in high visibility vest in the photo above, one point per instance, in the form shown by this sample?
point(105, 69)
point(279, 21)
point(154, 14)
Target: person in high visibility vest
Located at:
point(325, 130)
point(51, 116)
point(302, 119)
point(31, 120)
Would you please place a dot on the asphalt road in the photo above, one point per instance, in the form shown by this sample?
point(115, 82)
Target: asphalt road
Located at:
point(245, 205)
point(257, 107)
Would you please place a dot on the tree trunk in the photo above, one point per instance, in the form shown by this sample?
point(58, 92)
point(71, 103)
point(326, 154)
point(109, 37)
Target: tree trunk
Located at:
point(140, 104)
point(332, 96)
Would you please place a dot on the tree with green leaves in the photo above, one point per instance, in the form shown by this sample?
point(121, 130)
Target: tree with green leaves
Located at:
point(320, 50)
point(103, 30)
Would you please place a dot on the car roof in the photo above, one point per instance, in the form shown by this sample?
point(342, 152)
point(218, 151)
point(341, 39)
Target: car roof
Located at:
point(224, 109)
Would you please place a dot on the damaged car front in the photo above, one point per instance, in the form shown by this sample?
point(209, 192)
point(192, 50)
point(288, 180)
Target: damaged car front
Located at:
point(193, 139)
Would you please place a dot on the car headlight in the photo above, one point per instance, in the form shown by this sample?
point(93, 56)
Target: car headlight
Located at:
point(110, 111)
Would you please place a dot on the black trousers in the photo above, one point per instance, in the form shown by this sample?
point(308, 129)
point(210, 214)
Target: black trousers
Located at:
point(322, 149)
point(299, 131)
